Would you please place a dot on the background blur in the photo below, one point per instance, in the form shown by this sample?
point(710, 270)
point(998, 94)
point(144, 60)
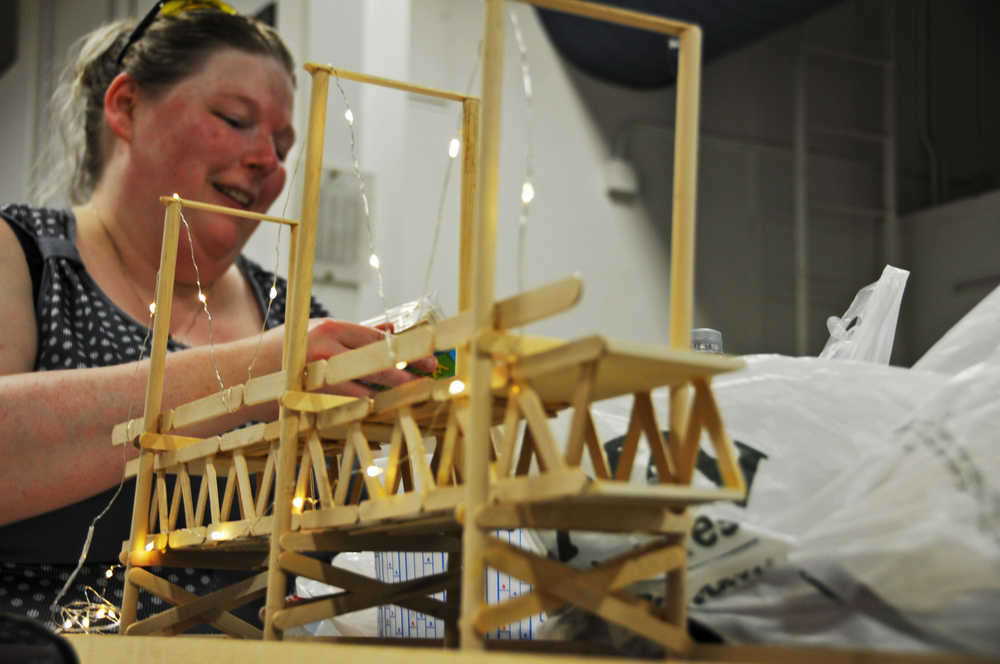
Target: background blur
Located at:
point(802, 126)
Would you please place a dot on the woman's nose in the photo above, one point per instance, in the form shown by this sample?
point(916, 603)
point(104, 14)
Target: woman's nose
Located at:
point(262, 156)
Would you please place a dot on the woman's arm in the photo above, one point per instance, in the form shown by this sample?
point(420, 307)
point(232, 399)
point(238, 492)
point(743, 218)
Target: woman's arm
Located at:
point(55, 429)
point(55, 426)
point(18, 329)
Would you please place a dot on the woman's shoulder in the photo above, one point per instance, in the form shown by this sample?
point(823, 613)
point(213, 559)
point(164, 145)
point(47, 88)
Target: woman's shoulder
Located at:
point(256, 271)
point(39, 221)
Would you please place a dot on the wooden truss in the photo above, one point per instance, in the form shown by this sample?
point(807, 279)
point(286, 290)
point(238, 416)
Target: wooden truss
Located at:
point(464, 456)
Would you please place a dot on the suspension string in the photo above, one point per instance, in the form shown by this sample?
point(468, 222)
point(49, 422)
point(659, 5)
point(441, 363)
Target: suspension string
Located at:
point(273, 293)
point(454, 146)
point(453, 149)
point(528, 187)
point(373, 258)
point(204, 305)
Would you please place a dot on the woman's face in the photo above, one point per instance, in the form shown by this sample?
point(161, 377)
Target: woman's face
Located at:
point(218, 136)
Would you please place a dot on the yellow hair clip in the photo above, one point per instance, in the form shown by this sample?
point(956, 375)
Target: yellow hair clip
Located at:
point(175, 7)
point(169, 8)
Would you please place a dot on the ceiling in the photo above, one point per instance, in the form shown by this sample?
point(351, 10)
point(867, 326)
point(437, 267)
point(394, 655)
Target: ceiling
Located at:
point(640, 59)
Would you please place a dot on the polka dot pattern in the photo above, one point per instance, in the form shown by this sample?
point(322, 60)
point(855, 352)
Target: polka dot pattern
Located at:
point(37, 605)
point(80, 327)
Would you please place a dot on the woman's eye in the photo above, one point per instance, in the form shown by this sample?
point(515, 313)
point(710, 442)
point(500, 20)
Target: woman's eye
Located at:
point(229, 120)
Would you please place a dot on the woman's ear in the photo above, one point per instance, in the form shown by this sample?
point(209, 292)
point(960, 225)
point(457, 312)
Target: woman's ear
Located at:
point(119, 105)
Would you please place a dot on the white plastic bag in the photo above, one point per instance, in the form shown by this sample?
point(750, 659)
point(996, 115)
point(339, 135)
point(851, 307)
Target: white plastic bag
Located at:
point(881, 483)
point(784, 607)
point(867, 329)
point(798, 423)
point(918, 520)
point(358, 623)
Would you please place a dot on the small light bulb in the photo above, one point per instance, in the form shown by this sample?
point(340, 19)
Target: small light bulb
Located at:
point(527, 192)
point(274, 292)
point(218, 535)
point(201, 297)
point(85, 622)
point(349, 117)
point(177, 196)
point(400, 365)
point(152, 308)
point(68, 624)
point(298, 502)
point(100, 613)
point(110, 573)
point(373, 261)
point(456, 387)
point(111, 614)
point(149, 546)
point(453, 147)
point(373, 470)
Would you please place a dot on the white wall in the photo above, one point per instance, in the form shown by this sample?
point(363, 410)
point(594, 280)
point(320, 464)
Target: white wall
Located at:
point(573, 226)
point(17, 126)
point(403, 141)
point(953, 254)
point(744, 260)
point(46, 30)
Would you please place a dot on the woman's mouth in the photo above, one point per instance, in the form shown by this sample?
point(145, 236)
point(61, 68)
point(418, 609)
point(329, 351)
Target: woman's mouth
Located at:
point(241, 197)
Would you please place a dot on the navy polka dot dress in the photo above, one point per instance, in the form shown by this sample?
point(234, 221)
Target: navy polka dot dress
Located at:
point(80, 327)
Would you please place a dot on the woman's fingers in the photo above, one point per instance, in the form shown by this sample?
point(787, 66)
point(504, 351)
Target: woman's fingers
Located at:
point(425, 364)
point(390, 377)
point(328, 337)
point(349, 335)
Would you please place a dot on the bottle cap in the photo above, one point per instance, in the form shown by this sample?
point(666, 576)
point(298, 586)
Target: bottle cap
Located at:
point(706, 339)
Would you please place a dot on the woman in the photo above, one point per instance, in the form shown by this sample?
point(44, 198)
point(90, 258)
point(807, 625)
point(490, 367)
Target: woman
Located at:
point(198, 103)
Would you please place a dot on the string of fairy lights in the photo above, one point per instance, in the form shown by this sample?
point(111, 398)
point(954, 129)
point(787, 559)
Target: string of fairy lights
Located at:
point(95, 613)
point(98, 614)
point(527, 187)
point(208, 314)
point(373, 259)
point(527, 192)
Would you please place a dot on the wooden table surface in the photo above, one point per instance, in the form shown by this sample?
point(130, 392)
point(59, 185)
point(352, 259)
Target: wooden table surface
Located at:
point(104, 649)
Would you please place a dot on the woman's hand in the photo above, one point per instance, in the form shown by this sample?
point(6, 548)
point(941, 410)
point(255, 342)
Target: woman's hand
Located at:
point(328, 337)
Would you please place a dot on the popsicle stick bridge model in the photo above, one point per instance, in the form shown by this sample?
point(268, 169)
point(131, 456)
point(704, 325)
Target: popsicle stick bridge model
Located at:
point(466, 455)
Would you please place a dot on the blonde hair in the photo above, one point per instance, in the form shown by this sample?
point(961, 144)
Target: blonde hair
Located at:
point(62, 168)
